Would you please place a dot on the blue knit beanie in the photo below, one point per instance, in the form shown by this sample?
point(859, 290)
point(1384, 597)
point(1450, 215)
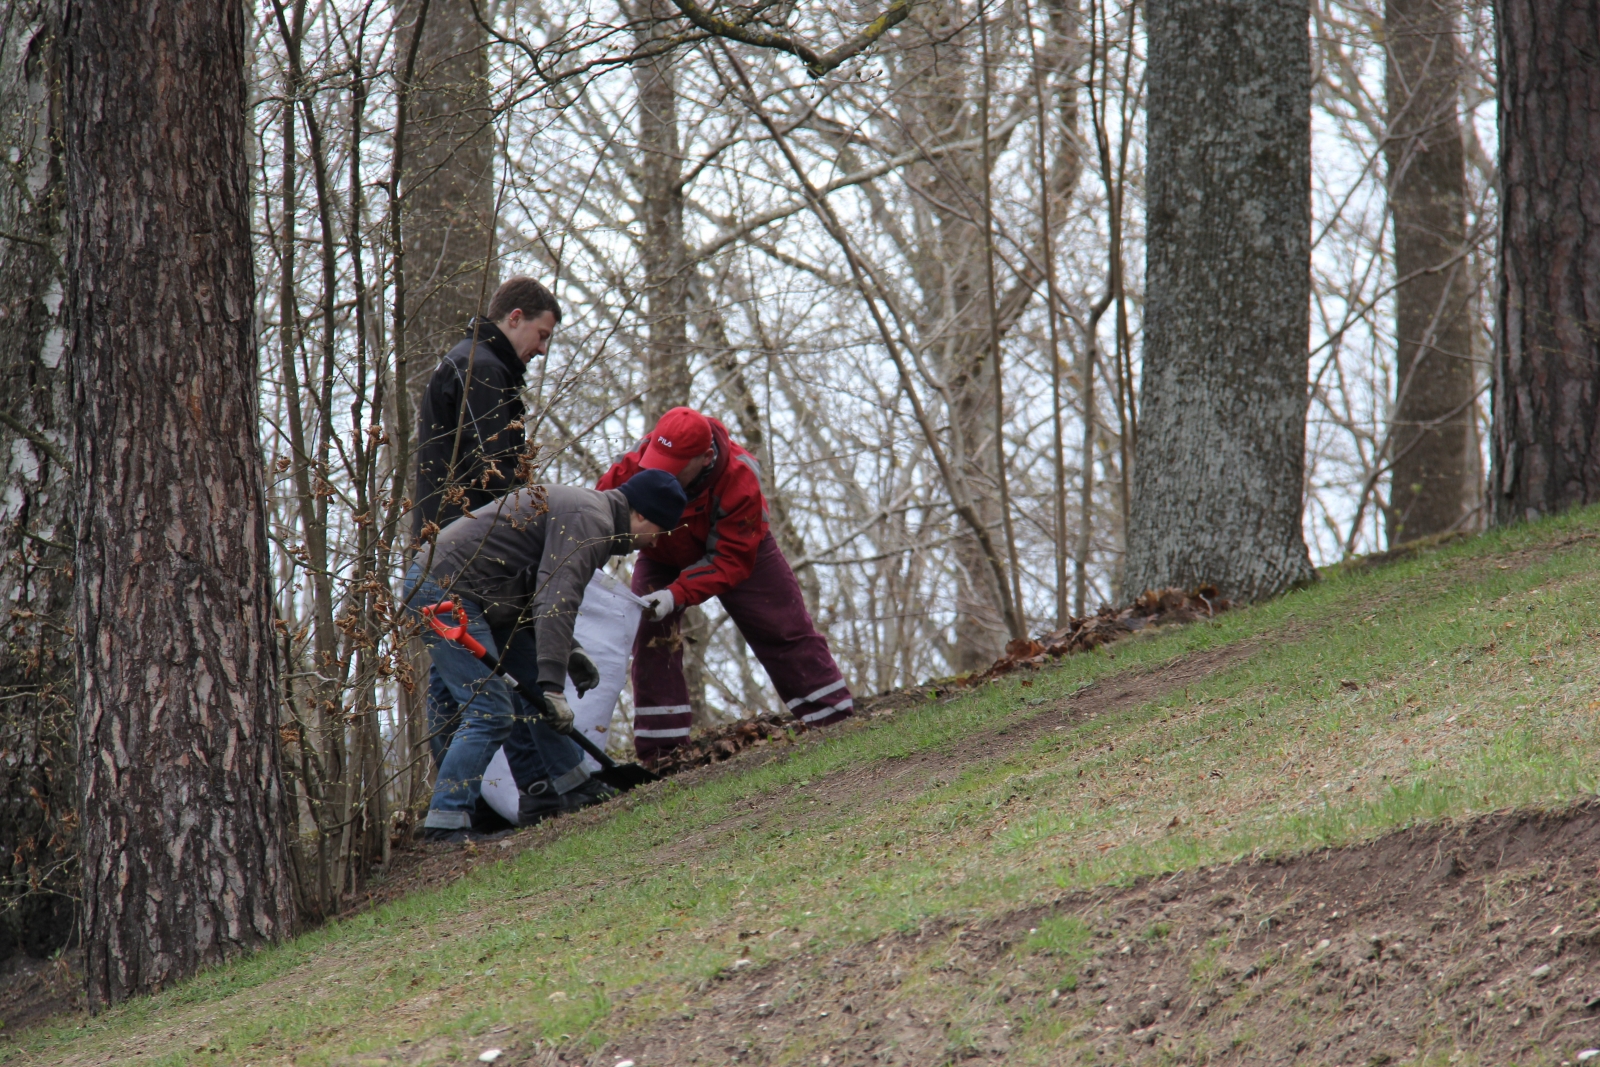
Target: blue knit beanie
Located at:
point(657, 496)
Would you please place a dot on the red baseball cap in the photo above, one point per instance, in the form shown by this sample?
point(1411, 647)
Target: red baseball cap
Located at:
point(681, 435)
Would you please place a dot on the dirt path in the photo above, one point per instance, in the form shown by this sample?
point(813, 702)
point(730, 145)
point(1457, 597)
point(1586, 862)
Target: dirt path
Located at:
point(901, 779)
point(1482, 936)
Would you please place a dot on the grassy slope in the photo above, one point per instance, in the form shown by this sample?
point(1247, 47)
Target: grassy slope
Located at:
point(1474, 670)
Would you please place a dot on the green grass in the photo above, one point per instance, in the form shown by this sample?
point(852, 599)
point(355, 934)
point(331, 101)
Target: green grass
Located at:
point(1458, 682)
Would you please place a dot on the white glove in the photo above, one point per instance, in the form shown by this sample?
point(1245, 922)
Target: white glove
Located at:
point(658, 605)
point(558, 713)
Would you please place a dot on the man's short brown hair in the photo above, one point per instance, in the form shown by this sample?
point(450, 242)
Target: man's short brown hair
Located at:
point(524, 294)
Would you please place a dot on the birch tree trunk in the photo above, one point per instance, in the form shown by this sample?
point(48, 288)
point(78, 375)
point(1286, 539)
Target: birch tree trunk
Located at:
point(1221, 448)
point(182, 806)
point(1547, 361)
point(38, 788)
point(1435, 474)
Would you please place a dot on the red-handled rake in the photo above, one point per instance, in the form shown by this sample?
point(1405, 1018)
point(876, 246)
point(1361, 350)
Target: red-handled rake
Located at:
point(619, 776)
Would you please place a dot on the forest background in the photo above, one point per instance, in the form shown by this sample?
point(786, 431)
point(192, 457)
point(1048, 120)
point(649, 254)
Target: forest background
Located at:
point(986, 165)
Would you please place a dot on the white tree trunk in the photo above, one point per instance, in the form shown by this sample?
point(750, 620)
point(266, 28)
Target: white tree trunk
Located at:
point(38, 801)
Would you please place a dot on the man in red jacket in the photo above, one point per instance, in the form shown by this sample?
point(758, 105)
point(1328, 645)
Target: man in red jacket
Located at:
point(721, 548)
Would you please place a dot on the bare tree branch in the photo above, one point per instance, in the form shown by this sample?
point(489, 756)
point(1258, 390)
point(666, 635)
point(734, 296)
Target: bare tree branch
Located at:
point(817, 64)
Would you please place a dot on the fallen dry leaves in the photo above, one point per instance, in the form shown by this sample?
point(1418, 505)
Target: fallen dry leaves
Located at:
point(1155, 608)
point(714, 746)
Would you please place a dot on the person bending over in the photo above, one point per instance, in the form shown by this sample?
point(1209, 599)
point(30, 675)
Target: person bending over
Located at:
point(722, 549)
point(519, 567)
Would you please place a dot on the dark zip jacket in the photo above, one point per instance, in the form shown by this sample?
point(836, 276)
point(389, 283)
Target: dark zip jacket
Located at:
point(490, 382)
point(527, 558)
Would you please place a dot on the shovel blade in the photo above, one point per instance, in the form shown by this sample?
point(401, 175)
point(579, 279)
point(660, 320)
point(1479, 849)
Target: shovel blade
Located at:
point(625, 776)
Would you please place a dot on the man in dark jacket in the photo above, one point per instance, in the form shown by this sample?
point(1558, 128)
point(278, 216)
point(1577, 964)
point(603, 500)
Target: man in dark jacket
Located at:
point(470, 439)
point(519, 567)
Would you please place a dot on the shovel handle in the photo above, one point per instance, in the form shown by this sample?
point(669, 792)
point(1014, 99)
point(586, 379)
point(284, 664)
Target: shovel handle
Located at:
point(580, 739)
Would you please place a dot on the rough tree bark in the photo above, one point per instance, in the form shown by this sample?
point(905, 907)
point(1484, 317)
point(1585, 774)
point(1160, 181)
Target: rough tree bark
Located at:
point(1221, 449)
point(182, 806)
point(38, 788)
point(1435, 473)
point(1547, 360)
point(447, 176)
point(449, 183)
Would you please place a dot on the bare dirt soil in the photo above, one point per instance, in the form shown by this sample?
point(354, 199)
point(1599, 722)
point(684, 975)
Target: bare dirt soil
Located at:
point(32, 990)
point(1481, 936)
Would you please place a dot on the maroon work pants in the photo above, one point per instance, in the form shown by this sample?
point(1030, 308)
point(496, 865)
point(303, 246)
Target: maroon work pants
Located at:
point(771, 614)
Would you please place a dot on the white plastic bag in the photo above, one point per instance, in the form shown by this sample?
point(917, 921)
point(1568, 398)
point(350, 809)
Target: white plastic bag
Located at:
point(606, 625)
point(500, 789)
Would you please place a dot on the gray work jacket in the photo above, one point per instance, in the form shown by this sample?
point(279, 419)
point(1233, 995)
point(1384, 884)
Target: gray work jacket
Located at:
point(528, 557)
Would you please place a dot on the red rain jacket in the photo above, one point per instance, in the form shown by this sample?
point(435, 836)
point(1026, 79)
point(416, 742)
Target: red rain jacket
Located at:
point(714, 546)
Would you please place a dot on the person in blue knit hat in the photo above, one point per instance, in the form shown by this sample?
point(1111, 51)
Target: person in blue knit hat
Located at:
point(519, 567)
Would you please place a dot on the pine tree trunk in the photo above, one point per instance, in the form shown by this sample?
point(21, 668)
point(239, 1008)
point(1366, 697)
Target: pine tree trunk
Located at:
point(1434, 476)
point(1221, 447)
point(1547, 361)
point(449, 183)
point(38, 788)
point(182, 806)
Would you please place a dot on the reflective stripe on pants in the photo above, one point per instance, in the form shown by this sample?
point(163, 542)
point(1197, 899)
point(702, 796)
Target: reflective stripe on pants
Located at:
point(770, 612)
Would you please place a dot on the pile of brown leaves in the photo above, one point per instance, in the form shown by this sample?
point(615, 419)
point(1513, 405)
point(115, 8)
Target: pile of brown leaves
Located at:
point(1154, 608)
point(1079, 635)
point(714, 746)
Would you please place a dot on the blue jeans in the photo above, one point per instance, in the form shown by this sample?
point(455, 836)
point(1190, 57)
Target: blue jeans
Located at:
point(490, 712)
point(444, 715)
